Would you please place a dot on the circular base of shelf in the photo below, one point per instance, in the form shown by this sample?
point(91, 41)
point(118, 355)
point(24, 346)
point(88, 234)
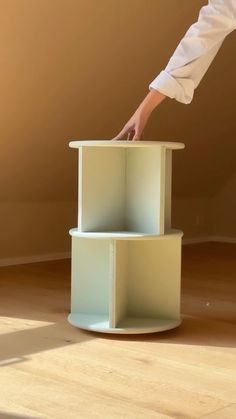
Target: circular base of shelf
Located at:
point(129, 325)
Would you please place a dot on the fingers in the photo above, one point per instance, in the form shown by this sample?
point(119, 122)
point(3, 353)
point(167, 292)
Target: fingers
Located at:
point(129, 133)
point(123, 133)
point(137, 135)
point(129, 136)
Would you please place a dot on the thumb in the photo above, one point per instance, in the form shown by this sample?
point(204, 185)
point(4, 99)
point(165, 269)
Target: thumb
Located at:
point(137, 136)
point(121, 134)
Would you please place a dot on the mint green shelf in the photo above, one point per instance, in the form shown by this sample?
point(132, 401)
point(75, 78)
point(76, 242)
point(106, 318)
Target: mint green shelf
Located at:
point(126, 257)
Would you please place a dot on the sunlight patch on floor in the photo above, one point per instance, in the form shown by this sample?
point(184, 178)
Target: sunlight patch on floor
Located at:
point(8, 326)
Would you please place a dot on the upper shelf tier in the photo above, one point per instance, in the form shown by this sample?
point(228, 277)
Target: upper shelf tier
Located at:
point(118, 143)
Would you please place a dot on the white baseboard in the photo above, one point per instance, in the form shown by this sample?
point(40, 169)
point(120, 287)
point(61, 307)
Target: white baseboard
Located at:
point(67, 255)
point(204, 239)
point(224, 239)
point(35, 258)
point(193, 240)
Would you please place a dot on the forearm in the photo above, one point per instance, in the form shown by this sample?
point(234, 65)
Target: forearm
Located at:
point(151, 101)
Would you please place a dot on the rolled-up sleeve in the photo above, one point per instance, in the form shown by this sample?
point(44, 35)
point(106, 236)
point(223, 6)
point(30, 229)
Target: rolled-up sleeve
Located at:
point(196, 51)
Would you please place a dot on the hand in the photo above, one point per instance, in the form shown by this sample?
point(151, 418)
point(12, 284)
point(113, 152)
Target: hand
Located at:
point(133, 129)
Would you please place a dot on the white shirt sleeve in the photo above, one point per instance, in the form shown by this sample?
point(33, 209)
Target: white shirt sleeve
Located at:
point(196, 51)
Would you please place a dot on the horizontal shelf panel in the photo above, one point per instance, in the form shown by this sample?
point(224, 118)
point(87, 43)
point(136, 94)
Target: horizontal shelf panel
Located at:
point(145, 325)
point(111, 143)
point(129, 325)
point(124, 235)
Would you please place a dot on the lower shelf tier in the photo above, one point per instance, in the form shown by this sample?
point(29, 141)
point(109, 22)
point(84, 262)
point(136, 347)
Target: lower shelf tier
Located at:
point(129, 325)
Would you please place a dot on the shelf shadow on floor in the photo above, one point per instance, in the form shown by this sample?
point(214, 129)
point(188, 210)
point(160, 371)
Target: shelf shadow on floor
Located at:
point(32, 295)
point(4, 415)
point(192, 331)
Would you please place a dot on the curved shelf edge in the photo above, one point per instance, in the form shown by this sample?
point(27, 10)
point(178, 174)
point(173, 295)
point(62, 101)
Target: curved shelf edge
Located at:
point(129, 325)
point(110, 143)
point(124, 235)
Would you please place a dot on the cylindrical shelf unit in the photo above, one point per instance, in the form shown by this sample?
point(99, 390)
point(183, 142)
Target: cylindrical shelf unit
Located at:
point(126, 258)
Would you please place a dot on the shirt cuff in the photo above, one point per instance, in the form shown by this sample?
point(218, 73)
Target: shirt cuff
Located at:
point(181, 89)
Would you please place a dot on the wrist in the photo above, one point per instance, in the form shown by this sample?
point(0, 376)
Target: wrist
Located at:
point(152, 100)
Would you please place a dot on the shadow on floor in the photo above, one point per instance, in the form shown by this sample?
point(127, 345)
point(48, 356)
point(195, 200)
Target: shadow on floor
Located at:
point(4, 415)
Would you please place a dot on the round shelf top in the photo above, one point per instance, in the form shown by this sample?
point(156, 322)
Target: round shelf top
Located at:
point(118, 143)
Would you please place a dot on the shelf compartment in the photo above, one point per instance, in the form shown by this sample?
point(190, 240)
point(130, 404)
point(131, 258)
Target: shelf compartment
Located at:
point(126, 284)
point(90, 276)
point(124, 188)
point(147, 279)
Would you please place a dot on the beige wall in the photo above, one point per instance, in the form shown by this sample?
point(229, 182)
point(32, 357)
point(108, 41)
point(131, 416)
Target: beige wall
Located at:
point(223, 210)
point(191, 216)
point(78, 69)
point(36, 228)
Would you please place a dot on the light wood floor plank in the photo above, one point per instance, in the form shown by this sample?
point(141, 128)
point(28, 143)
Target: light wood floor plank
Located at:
point(51, 370)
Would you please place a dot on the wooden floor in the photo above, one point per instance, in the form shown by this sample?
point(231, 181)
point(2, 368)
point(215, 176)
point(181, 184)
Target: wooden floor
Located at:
point(51, 370)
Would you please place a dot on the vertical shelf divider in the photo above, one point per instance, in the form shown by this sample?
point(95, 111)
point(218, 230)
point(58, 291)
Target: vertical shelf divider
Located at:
point(168, 187)
point(112, 284)
point(80, 187)
point(162, 208)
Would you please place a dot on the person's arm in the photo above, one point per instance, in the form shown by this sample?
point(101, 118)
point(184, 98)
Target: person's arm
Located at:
point(196, 51)
point(133, 129)
point(188, 64)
